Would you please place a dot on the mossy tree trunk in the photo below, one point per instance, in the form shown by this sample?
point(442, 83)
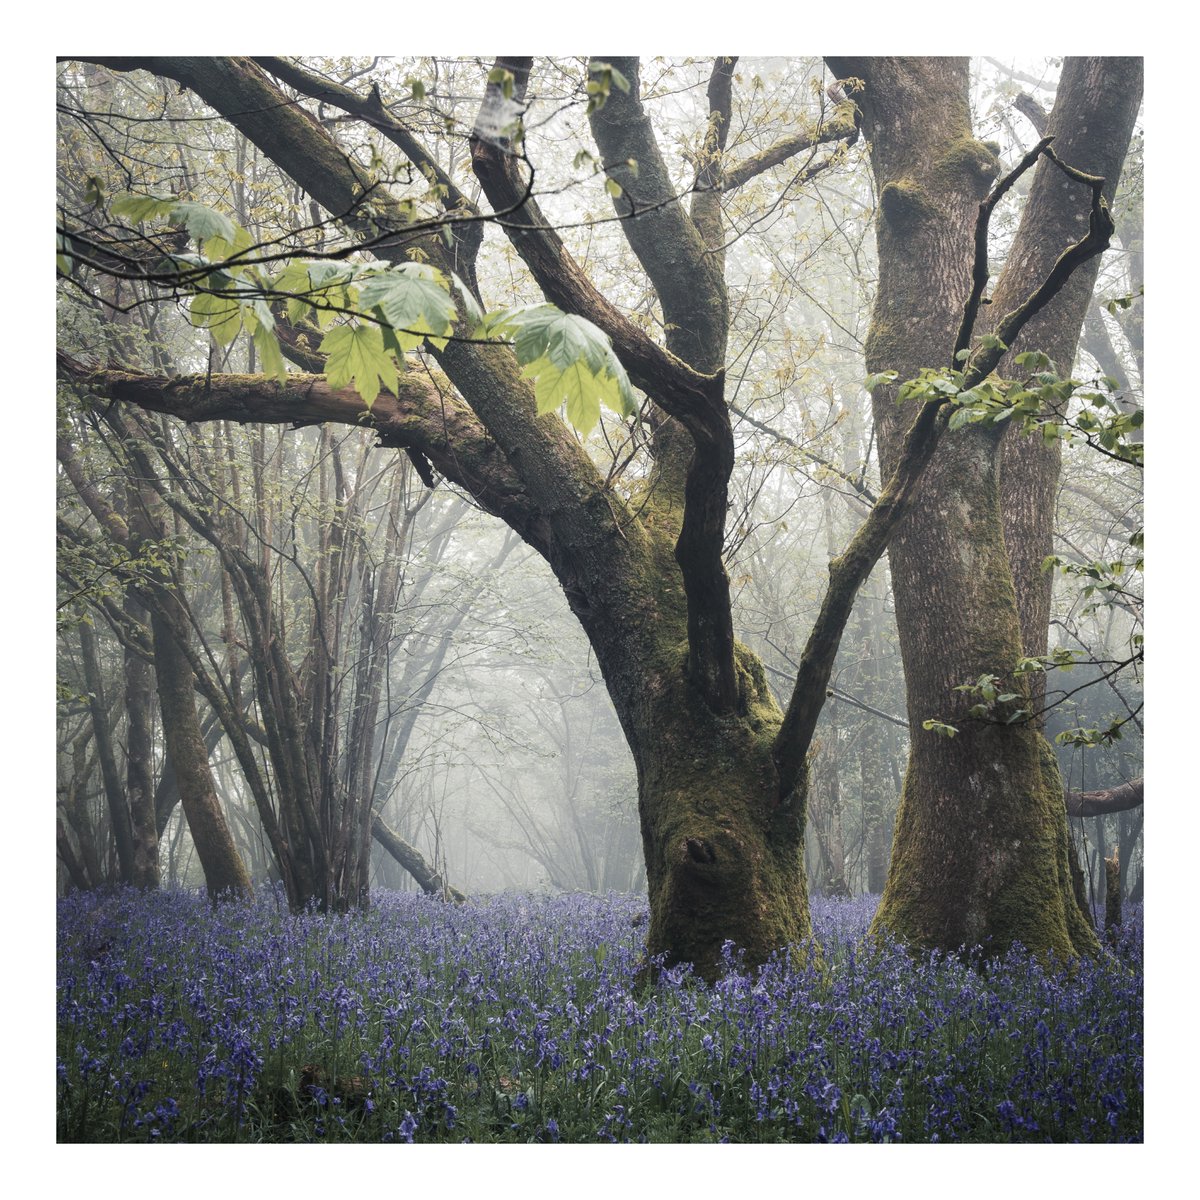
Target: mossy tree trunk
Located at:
point(980, 849)
point(722, 772)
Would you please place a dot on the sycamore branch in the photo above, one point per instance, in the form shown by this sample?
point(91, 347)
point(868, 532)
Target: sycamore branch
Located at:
point(672, 383)
point(844, 127)
point(468, 235)
point(660, 231)
point(421, 416)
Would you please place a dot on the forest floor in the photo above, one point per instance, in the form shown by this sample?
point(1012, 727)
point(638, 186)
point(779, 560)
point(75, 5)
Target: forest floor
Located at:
point(517, 1019)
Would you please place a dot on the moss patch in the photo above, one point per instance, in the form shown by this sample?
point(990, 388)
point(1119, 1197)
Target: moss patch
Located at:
point(906, 206)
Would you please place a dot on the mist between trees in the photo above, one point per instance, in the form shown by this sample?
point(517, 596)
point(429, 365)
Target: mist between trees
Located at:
point(467, 481)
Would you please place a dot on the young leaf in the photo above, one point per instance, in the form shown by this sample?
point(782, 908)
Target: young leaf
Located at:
point(203, 223)
point(217, 312)
point(141, 208)
point(880, 379)
point(356, 352)
point(940, 728)
point(414, 299)
point(570, 361)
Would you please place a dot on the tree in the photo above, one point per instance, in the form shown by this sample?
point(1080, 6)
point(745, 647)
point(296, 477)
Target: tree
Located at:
point(980, 853)
point(722, 772)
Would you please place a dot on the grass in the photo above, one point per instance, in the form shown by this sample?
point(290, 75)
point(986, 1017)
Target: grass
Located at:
point(516, 1020)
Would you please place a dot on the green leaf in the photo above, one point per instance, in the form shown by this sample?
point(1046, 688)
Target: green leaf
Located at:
point(141, 208)
point(622, 83)
point(940, 728)
point(203, 223)
point(356, 352)
point(217, 247)
point(269, 355)
point(414, 299)
point(613, 188)
point(504, 79)
point(474, 312)
point(217, 312)
point(569, 360)
point(880, 379)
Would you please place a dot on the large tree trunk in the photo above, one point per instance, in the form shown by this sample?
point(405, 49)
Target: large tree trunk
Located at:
point(980, 851)
point(724, 857)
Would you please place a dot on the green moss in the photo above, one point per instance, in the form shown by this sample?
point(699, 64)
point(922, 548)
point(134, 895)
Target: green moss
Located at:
point(719, 864)
point(967, 156)
point(1000, 878)
point(906, 205)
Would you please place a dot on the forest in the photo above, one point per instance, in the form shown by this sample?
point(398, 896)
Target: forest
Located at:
point(599, 600)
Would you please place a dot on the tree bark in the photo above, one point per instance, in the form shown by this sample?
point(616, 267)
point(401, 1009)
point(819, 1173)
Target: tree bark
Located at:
point(118, 811)
point(139, 755)
point(225, 875)
point(980, 850)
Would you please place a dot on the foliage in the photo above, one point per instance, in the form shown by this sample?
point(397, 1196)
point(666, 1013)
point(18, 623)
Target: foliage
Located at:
point(570, 361)
point(1041, 401)
point(516, 1019)
point(375, 313)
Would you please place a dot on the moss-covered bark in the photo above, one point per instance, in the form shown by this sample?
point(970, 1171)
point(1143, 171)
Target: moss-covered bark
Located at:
point(980, 850)
point(724, 858)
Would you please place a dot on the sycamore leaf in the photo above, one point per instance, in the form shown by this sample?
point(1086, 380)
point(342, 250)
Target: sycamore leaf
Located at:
point(216, 247)
point(880, 379)
point(414, 299)
point(141, 208)
point(202, 223)
point(217, 312)
point(356, 352)
point(474, 312)
point(269, 355)
point(940, 728)
point(570, 361)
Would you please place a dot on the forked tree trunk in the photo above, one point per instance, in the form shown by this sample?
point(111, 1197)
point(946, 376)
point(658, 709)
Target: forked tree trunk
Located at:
point(980, 852)
point(724, 859)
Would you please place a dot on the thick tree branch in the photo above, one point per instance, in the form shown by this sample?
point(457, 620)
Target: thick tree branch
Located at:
point(413, 861)
point(1117, 799)
point(671, 382)
point(842, 128)
point(468, 235)
point(686, 277)
point(553, 466)
point(421, 417)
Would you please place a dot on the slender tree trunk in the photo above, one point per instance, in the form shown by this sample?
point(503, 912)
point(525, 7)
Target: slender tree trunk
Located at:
point(139, 756)
point(224, 873)
point(118, 810)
